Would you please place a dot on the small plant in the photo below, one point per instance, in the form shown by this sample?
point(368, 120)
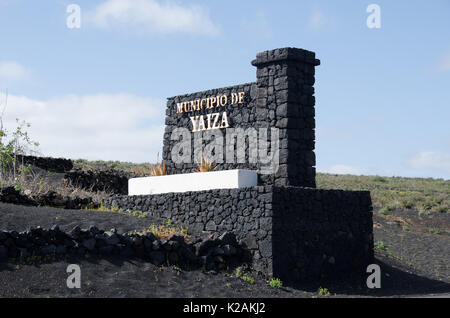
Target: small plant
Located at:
point(115, 209)
point(17, 185)
point(169, 222)
point(158, 169)
point(101, 207)
point(442, 208)
point(379, 179)
point(135, 213)
point(434, 231)
point(323, 292)
point(384, 211)
point(205, 165)
point(248, 279)
point(164, 231)
point(276, 283)
point(380, 245)
point(405, 228)
point(238, 272)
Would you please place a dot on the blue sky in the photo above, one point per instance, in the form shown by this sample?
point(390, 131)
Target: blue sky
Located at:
point(98, 92)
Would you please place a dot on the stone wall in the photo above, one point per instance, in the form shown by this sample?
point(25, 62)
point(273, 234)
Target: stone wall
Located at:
point(112, 181)
point(59, 165)
point(291, 232)
point(39, 244)
point(321, 233)
point(282, 97)
point(50, 198)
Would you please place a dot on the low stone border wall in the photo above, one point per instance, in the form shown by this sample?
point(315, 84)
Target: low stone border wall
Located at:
point(215, 253)
point(59, 165)
point(292, 233)
point(53, 199)
point(110, 181)
point(11, 195)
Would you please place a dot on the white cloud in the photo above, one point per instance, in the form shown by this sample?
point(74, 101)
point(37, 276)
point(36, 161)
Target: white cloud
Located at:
point(430, 160)
point(258, 25)
point(10, 70)
point(317, 20)
point(443, 64)
point(151, 16)
point(345, 169)
point(103, 126)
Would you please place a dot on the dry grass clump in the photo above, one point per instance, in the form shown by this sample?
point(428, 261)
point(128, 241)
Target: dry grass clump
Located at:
point(37, 183)
point(66, 188)
point(158, 170)
point(162, 231)
point(206, 165)
point(151, 170)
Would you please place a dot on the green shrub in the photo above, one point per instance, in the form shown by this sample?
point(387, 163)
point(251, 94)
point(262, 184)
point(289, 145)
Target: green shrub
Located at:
point(380, 245)
point(434, 231)
point(323, 291)
point(248, 279)
point(379, 179)
point(276, 283)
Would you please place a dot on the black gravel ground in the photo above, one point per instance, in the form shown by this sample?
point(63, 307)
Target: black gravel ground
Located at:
point(415, 262)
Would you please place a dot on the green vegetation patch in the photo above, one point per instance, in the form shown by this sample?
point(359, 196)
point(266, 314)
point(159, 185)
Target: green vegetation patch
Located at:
point(127, 167)
point(323, 292)
point(394, 193)
point(276, 283)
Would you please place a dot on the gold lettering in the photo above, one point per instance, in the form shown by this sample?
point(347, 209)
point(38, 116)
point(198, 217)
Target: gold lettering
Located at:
point(223, 100)
point(216, 119)
point(197, 104)
point(194, 121)
point(234, 98)
point(209, 121)
point(179, 108)
point(192, 105)
point(201, 123)
point(241, 97)
point(201, 103)
point(213, 100)
point(210, 102)
point(224, 121)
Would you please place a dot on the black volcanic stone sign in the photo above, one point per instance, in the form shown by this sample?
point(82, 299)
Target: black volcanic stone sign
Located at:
point(291, 230)
point(276, 111)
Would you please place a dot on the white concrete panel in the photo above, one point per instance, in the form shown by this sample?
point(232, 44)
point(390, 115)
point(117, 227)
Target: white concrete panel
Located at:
point(198, 181)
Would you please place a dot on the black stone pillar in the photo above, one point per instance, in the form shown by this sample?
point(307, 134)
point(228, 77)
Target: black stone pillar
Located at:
point(285, 99)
